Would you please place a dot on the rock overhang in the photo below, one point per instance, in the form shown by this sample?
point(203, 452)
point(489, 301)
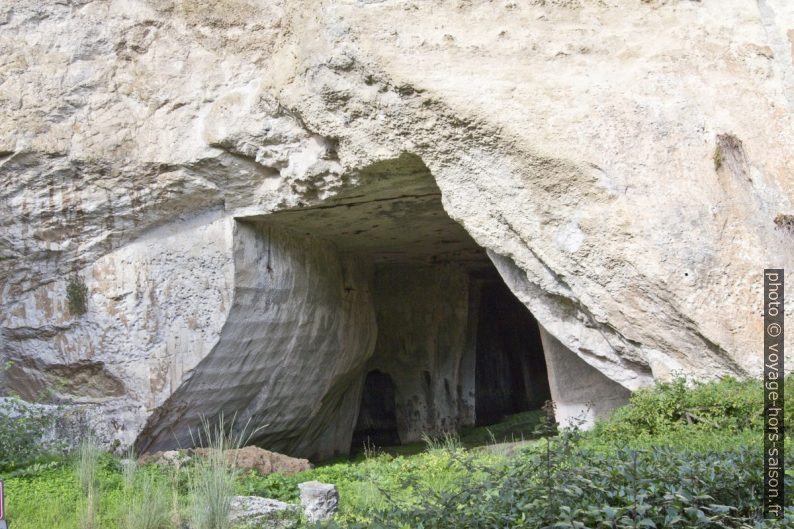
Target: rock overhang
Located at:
point(606, 239)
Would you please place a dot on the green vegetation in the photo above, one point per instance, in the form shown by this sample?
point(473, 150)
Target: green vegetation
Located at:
point(76, 295)
point(86, 469)
point(677, 456)
point(23, 431)
point(717, 157)
point(213, 478)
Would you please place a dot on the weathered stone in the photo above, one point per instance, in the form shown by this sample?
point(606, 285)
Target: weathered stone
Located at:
point(170, 155)
point(319, 500)
point(168, 457)
point(253, 512)
point(264, 461)
point(580, 393)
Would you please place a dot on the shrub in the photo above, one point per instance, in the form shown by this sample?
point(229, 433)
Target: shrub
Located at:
point(23, 430)
point(76, 294)
point(679, 413)
point(565, 486)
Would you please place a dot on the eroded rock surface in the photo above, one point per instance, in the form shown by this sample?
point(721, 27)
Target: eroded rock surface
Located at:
point(319, 500)
point(622, 165)
point(253, 512)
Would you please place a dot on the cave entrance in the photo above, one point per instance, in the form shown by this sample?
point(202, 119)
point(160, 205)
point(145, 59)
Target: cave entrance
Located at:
point(510, 368)
point(399, 318)
point(377, 418)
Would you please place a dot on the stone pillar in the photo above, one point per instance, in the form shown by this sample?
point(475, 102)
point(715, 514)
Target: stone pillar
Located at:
point(319, 500)
point(580, 392)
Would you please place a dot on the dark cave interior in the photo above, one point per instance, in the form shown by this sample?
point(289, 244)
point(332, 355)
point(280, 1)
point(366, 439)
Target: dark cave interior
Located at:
point(510, 372)
point(454, 347)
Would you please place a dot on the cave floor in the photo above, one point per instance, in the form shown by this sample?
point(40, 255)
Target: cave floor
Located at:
point(512, 431)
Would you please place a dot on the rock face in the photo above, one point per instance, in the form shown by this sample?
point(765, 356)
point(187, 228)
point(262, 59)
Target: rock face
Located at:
point(246, 458)
point(319, 500)
point(253, 512)
point(240, 185)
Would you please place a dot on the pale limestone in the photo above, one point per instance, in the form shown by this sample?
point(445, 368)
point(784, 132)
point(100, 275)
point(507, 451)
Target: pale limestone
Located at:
point(573, 140)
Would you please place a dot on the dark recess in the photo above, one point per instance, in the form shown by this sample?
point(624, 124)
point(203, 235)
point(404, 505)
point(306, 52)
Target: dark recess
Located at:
point(510, 367)
point(377, 420)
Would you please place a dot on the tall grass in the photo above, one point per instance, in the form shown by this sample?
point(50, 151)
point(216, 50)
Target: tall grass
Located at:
point(129, 468)
point(86, 466)
point(447, 442)
point(213, 480)
point(176, 513)
point(149, 506)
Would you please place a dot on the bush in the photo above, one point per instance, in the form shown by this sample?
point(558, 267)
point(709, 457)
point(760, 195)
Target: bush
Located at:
point(76, 295)
point(566, 486)
point(679, 415)
point(24, 429)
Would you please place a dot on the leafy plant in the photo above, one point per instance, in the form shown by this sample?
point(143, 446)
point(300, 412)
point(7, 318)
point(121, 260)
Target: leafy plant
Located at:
point(76, 295)
point(24, 430)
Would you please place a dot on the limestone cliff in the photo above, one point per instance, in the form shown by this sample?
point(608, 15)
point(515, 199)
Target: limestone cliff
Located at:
point(230, 179)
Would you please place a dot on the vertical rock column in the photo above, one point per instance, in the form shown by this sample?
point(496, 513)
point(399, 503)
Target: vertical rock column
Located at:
point(422, 314)
point(580, 392)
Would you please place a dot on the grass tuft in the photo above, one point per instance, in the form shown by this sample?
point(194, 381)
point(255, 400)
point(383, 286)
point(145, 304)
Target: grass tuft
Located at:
point(149, 507)
point(213, 480)
point(86, 466)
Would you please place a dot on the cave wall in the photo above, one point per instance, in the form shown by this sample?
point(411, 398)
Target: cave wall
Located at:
point(155, 308)
point(422, 314)
point(290, 354)
point(581, 393)
point(376, 424)
point(133, 137)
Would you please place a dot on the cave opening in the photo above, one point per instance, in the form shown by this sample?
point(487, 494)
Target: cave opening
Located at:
point(510, 370)
point(377, 418)
point(415, 329)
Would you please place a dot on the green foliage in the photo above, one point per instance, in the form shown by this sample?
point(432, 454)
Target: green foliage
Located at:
point(76, 295)
point(47, 499)
point(369, 485)
point(695, 417)
point(23, 430)
point(149, 507)
point(566, 486)
point(53, 497)
point(678, 456)
point(214, 476)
